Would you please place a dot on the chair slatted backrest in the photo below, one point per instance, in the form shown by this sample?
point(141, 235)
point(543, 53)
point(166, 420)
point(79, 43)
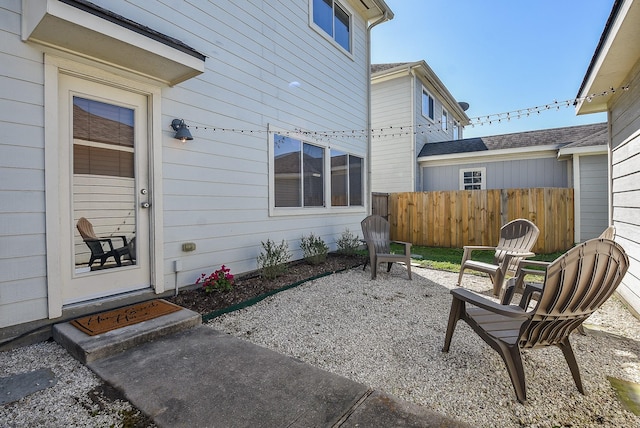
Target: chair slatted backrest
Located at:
point(575, 286)
point(89, 236)
point(376, 230)
point(86, 229)
point(517, 235)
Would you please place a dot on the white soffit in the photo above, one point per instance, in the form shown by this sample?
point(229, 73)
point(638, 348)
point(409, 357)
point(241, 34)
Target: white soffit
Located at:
point(83, 29)
point(614, 61)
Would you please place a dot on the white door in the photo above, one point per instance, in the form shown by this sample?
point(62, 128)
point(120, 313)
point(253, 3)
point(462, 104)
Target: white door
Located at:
point(104, 178)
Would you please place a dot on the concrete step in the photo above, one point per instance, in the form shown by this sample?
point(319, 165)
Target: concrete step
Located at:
point(87, 348)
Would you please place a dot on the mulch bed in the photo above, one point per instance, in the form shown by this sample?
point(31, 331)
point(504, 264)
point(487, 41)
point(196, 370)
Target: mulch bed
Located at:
point(249, 287)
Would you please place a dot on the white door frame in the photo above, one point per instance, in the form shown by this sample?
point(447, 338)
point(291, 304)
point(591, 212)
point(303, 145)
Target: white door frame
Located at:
point(55, 65)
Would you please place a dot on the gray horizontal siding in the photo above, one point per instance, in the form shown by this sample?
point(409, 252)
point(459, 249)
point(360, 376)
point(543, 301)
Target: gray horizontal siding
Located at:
point(543, 172)
point(594, 196)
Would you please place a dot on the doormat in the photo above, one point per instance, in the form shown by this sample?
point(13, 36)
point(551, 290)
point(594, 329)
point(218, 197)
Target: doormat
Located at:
point(122, 317)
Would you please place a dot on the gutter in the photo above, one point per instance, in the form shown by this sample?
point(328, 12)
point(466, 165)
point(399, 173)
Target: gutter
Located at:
point(386, 16)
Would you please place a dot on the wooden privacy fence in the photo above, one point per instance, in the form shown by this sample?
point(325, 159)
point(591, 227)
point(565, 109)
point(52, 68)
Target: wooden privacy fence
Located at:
point(474, 217)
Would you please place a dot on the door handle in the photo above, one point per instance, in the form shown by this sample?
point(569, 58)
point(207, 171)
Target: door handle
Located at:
point(145, 205)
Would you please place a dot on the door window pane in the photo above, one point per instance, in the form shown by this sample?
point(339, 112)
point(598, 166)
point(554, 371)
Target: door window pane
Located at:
point(103, 184)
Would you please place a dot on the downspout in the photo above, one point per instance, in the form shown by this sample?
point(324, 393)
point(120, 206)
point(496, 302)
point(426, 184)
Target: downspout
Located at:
point(384, 17)
point(413, 138)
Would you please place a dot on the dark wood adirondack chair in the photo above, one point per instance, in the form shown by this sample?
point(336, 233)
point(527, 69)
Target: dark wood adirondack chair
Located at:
point(375, 231)
point(517, 238)
point(95, 244)
point(575, 285)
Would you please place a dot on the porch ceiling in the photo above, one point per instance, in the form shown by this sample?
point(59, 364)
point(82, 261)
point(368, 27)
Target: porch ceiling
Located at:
point(84, 29)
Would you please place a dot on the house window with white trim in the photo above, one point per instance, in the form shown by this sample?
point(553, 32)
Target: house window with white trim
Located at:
point(473, 179)
point(346, 179)
point(299, 173)
point(427, 104)
point(310, 177)
point(444, 120)
point(334, 20)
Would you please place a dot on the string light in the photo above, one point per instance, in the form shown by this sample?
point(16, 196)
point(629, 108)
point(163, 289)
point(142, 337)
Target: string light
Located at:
point(420, 129)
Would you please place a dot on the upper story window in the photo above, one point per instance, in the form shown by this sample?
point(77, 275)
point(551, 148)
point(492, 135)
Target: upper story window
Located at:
point(473, 179)
point(445, 119)
point(334, 20)
point(427, 104)
point(456, 131)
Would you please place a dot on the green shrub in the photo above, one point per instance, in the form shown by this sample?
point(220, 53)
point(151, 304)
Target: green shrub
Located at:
point(273, 260)
point(348, 243)
point(313, 249)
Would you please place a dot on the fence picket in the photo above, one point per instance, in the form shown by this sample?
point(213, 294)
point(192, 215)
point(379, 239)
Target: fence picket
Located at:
point(474, 217)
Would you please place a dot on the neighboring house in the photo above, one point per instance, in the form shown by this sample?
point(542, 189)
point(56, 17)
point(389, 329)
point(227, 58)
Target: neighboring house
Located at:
point(574, 156)
point(89, 93)
point(615, 65)
point(410, 107)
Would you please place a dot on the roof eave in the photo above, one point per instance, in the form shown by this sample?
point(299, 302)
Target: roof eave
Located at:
point(614, 57)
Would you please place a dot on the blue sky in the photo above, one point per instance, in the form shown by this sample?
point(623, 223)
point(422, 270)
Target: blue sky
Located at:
point(500, 55)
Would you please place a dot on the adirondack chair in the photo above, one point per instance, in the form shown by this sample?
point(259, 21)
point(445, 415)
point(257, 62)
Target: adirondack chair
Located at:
point(375, 231)
point(98, 252)
point(517, 238)
point(576, 285)
point(528, 267)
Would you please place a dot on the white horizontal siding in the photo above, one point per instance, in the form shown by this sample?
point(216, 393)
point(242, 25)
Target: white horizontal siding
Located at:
point(625, 125)
point(216, 186)
point(392, 154)
point(22, 232)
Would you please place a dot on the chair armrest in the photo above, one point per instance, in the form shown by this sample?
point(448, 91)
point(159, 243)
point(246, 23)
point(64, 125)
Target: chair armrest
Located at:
point(468, 249)
point(407, 246)
point(529, 290)
point(107, 240)
point(124, 239)
point(468, 296)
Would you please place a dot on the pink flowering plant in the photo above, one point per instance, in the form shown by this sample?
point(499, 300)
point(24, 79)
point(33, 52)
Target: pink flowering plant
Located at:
point(220, 280)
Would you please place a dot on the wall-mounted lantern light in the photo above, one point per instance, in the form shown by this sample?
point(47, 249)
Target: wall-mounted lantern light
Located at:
point(182, 132)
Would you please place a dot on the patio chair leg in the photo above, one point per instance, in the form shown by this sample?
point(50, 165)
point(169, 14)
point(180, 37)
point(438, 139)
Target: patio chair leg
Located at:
point(573, 364)
point(513, 360)
point(457, 309)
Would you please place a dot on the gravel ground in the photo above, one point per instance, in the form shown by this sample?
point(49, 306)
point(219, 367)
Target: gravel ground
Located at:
point(78, 399)
point(388, 334)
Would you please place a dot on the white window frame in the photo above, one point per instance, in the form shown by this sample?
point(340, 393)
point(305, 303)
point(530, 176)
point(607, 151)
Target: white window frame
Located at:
point(433, 100)
point(327, 146)
point(457, 130)
point(444, 120)
point(483, 177)
point(331, 37)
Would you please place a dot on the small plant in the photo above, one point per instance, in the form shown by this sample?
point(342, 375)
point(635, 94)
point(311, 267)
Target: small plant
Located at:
point(313, 249)
point(220, 280)
point(348, 243)
point(273, 260)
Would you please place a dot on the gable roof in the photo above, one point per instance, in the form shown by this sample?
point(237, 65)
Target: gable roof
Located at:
point(575, 136)
point(422, 70)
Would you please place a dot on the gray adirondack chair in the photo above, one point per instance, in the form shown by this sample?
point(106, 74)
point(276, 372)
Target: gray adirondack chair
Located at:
point(575, 285)
point(517, 238)
point(375, 231)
